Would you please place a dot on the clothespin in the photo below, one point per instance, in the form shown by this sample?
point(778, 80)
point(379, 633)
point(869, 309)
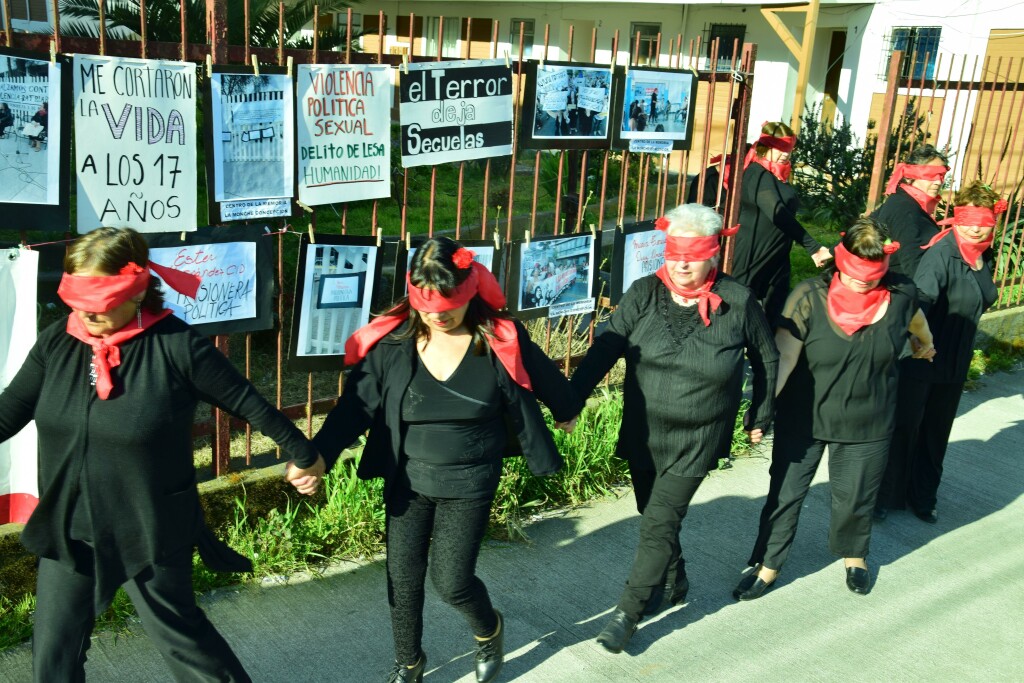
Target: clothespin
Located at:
point(527, 236)
point(497, 240)
point(53, 52)
point(312, 236)
point(304, 207)
point(508, 63)
point(209, 66)
point(405, 63)
point(408, 241)
point(541, 65)
point(182, 235)
point(593, 231)
point(291, 61)
point(255, 65)
point(379, 232)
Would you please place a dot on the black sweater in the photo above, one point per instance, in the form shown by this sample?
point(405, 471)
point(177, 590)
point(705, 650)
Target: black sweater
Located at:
point(909, 225)
point(680, 396)
point(768, 229)
point(953, 297)
point(132, 453)
point(372, 401)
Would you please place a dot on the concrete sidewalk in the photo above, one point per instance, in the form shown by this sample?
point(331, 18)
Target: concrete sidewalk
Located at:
point(947, 605)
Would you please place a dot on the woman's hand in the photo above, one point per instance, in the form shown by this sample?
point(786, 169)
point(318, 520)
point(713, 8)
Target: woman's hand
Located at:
point(567, 427)
point(922, 350)
point(755, 436)
point(306, 481)
point(821, 257)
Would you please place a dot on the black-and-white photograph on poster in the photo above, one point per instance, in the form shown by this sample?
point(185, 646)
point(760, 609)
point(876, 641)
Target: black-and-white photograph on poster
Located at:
point(552, 274)
point(455, 111)
point(567, 105)
point(654, 104)
point(333, 297)
point(235, 266)
point(486, 252)
point(253, 141)
point(638, 250)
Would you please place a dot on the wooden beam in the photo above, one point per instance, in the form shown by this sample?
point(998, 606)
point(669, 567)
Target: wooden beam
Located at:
point(810, 27)
point(884, 131)
point(781, 30)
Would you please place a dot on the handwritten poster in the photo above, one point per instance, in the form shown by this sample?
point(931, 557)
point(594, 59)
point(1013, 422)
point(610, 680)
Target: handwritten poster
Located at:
point(253, 141)
point(29, 162)
point(344, 130)
point(455, 111)
point(234, 265)
point(135, 143)
point(645, 253)
point(18, 455)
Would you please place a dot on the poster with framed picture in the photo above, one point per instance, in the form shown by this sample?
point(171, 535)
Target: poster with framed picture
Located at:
point(567, 106)
point(334, 289)
point(489, 253)
point(552, 276)
point(35, 126)
point(637, 250)
point(235, 265)
point(250, 143)
point(654, 105)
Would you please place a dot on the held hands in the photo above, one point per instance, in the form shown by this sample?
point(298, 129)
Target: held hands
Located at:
point(755, 436)
point(305, 481)
point(821, 257)
point(922, 350)
point(567, 427)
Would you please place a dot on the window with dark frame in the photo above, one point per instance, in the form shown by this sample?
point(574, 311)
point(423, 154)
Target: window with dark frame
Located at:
point(649, 33)
point(529, 26)
point(729, 36)
point(919, 45)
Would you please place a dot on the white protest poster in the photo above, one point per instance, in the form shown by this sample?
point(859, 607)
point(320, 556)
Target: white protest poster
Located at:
point(18, 455)
point(135, 143)
point(29, 136)
point(455, 111)
point(344, 130)
point(228, 274)
point(645, 253)
point(253, 143)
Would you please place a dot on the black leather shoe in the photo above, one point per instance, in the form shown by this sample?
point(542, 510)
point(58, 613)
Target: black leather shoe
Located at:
point(617, 632)
point(930, 516)
point(858, 580)
point(755, 590)
point(403, 674)
point(490, 653)
point(880, 514)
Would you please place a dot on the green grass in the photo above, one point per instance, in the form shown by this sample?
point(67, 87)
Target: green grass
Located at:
point(801, 264)
point(998, 356)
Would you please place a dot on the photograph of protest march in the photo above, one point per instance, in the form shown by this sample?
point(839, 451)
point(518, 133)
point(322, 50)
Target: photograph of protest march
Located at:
point(551, 271)
point(655, 104)
point(333, 295)
point(568, 105)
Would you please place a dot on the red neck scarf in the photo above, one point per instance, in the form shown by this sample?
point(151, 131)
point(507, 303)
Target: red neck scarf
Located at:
point(779, 169)
point(706, 299)
point(970, 252)
point(971, 215)
point(852, 310)
point(927, 202)
point(107, 350)
point(504, 342)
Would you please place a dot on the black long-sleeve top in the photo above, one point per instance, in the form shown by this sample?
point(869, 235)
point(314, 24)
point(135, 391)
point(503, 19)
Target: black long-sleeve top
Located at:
point(768, 229)
point(843, 387)
point(131, 454)
point(908, 224)
point(684, 381)
point(373, 395)
point(953, 296)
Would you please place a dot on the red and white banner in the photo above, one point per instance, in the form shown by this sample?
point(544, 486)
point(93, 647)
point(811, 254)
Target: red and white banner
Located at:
point(18, 455)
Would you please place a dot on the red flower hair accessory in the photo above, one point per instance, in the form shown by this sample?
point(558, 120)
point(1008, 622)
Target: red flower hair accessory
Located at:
point(131, 268)
point(890, 247)
point(1000, 207)
point(463, 258)
point(661, 224)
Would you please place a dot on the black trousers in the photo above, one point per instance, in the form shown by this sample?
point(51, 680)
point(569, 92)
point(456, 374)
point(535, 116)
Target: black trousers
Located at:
point(918, 448)
point(855, 472)
point(450, 531)
point(163, 597)
point(663, 502)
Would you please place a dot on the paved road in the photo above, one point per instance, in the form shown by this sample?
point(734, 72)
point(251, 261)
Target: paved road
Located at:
point(947, 604)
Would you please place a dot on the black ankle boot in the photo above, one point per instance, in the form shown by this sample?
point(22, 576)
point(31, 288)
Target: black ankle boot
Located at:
point(617, 631)
point(490, 653)
point(404, 674)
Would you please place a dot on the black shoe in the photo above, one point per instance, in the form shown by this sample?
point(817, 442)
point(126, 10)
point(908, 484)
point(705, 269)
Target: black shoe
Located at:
point(490, 653)
point(858, 580)
point(754, 590)
point(679, 590)
point(880, 514)
point(930, 516)
point(617, 632)
point(403, 674)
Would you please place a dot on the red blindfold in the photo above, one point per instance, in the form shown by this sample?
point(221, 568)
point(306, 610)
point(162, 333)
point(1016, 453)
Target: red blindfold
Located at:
point(975, 215)
point(101, 293)
point(692, 249)
point(915, 172)
point(860, 268)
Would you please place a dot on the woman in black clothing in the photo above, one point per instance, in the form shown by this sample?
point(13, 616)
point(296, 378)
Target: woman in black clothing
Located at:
point(768, 223)
point(839, 342)
point(683, 333)
point(908, 212)
point(113, 391)
point(441, 381)
point(954, 287)
point(6, 118)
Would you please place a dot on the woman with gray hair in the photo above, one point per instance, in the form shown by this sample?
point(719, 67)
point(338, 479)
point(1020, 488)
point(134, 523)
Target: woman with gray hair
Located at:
point(683, 332)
